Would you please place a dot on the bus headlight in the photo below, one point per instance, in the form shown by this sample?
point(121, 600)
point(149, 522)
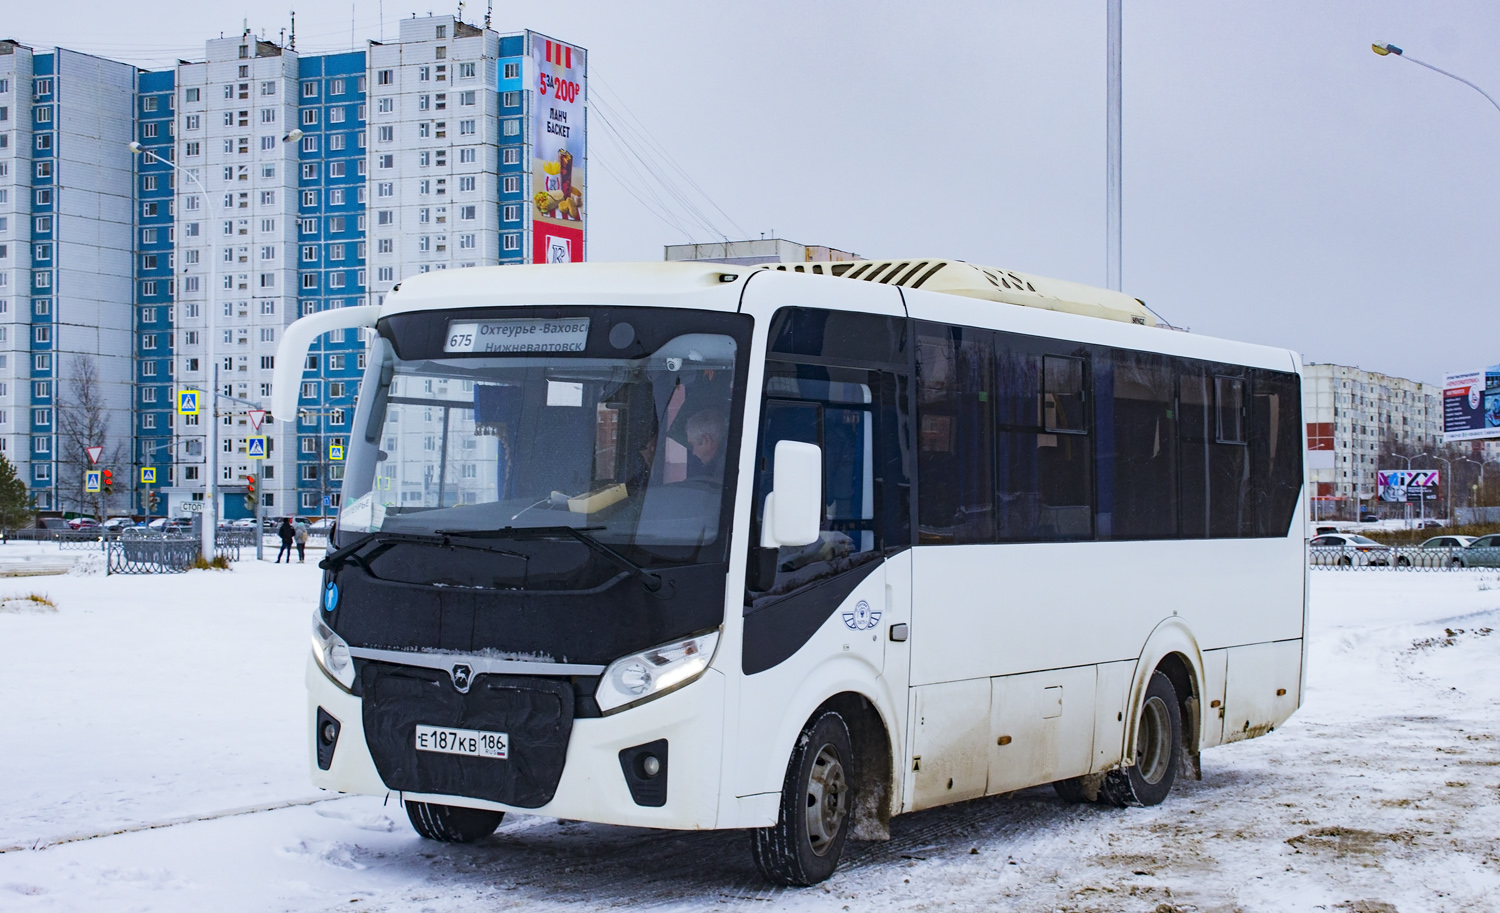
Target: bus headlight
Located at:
point(332, 654)
point(649, 674)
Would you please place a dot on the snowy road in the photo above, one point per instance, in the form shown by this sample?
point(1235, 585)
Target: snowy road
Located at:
point(150, 700)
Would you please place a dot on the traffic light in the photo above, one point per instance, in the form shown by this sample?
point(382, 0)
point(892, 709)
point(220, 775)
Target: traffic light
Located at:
point(151, 501)
point(251, 496)
point(108, 480)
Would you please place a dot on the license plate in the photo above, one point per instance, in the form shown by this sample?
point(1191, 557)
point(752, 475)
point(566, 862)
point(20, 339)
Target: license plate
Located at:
point(472, 742)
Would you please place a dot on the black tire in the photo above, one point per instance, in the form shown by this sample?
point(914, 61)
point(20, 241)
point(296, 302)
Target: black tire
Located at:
point(1346, 561)
point(816, 802)
point(1158, 750)
point(1403, 561)
point(452, 823)
point(1456, 562)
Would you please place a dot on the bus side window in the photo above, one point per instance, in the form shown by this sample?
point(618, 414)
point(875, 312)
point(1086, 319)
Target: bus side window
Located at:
point(1044, 488)
point(841, 411)
point(955, 453)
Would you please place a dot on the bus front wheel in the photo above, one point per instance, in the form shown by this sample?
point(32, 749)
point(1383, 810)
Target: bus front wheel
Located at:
point(1158, 749)
point(804, 846)
point(452, 823)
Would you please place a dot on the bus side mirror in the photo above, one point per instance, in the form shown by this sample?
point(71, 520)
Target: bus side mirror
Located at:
point(794, 508)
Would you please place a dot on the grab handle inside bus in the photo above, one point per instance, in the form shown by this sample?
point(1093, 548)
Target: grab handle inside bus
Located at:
point(794, 508)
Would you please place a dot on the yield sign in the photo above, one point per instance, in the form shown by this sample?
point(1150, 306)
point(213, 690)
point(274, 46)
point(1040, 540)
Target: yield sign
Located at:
point(256, 417)
point(94, 454)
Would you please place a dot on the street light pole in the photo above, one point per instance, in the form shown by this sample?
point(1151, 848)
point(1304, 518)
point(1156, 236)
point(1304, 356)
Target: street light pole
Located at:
point(208, 541)
point(1406, 507)
point(1449, 486)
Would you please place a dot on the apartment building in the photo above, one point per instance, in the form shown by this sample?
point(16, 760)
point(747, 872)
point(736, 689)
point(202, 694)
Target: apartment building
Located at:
point(1355, 420)
point(66, 242)
point(267, 185)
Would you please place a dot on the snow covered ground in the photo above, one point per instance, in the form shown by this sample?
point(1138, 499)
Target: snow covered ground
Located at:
point(144, 701)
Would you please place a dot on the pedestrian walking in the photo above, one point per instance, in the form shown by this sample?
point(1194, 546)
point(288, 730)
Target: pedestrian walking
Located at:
point(301, 536)
point(285, 534)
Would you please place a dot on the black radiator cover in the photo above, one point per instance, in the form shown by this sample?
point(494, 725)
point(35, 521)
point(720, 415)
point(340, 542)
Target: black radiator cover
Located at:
point(536, 713)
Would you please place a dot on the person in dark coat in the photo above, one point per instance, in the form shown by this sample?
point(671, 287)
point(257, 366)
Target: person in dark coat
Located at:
point(286, 535)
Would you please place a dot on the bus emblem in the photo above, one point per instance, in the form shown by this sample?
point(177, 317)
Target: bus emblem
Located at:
point(461, 677)
point(862, 618)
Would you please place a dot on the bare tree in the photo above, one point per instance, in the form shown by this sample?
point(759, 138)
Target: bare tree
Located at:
point(83, 422)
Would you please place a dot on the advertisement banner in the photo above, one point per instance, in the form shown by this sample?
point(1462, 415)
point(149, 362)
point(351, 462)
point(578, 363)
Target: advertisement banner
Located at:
point(1471, 405)
point(558, 147)
point(1397, 485)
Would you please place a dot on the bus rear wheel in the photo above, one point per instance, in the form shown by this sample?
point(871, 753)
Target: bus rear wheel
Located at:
point(452, 823)
point(1158, 750)
point(804, 846)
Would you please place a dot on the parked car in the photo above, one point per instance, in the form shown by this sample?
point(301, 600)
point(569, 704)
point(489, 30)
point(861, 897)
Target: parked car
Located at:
point(1349, 549)
point(82, 523)
point(52, 523)
point(115, 524)
point(244, 523)
point(1367, 517)
point(1447, 542)
point(1482, 552)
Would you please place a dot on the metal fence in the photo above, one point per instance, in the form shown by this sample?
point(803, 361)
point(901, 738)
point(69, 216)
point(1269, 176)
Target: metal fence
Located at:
point(148, 552)
point(1409, 558)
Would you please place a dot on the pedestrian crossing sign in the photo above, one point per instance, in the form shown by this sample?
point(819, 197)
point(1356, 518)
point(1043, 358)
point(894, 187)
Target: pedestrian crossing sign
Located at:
point(335, 451)
point(91, 480)
point(187, 402)
point(148, 475)
point(255, 447)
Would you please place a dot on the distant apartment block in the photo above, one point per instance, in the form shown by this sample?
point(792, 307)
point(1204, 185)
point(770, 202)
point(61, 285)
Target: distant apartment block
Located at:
point(306, 183)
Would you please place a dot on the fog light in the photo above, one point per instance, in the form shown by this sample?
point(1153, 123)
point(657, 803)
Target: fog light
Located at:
point(330, 733)
point(650, 765)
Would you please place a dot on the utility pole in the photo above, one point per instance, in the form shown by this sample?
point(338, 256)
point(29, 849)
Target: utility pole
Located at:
point(1113, 169)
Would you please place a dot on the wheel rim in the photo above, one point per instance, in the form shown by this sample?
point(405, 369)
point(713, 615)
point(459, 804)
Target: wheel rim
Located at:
point(1153, 750)
point(827, 795)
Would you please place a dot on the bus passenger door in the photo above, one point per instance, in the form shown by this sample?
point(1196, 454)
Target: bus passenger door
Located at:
point(810, 609)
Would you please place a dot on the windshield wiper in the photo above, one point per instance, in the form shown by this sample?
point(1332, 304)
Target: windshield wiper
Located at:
point(335, 559)
point(649, 580)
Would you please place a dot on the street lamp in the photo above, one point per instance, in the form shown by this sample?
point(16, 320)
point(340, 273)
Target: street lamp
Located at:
point(1406, 508)
point(1449, 486)
point(211, 457)
point(1385, 50)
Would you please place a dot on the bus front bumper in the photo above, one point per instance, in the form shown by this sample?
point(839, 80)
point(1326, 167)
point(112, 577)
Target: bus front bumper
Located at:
point(593, 786)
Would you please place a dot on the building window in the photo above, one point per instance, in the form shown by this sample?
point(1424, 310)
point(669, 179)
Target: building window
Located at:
point(385, 105)
point(510, 212)
point(466, 99)
point(510, 99)
point(192, 95)
point(510, 127)
point(511, 241)
point(310, 89)
point(511, 184)
point(512, 71)
point(384, 77)
point(466, 184)
point(466, 127)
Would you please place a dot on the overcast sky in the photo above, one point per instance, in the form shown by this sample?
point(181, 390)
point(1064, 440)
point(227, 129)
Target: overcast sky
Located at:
point(1283, 184)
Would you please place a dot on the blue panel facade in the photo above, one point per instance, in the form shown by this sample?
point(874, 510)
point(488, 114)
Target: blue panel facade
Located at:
point(512, 160)
point(43, 238)
point(155, 263)
point(332, 259)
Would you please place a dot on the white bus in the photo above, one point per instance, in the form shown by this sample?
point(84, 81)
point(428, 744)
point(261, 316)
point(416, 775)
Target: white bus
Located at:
point(795, 549)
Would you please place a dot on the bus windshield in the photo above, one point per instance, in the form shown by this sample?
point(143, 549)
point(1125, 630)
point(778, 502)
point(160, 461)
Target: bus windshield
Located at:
point(629, 450)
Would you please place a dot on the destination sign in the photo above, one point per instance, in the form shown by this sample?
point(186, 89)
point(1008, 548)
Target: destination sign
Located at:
point(569, 334)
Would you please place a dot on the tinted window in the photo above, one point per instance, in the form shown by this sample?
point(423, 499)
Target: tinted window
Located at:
point(839, 336)
point(856, 417)
point(955, 452)
point(1043, 461)
point(1137, 447)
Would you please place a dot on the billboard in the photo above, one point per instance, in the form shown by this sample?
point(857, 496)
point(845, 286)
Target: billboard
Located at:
point(1471, 405)
point(1400, 485)
point(558, 150)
